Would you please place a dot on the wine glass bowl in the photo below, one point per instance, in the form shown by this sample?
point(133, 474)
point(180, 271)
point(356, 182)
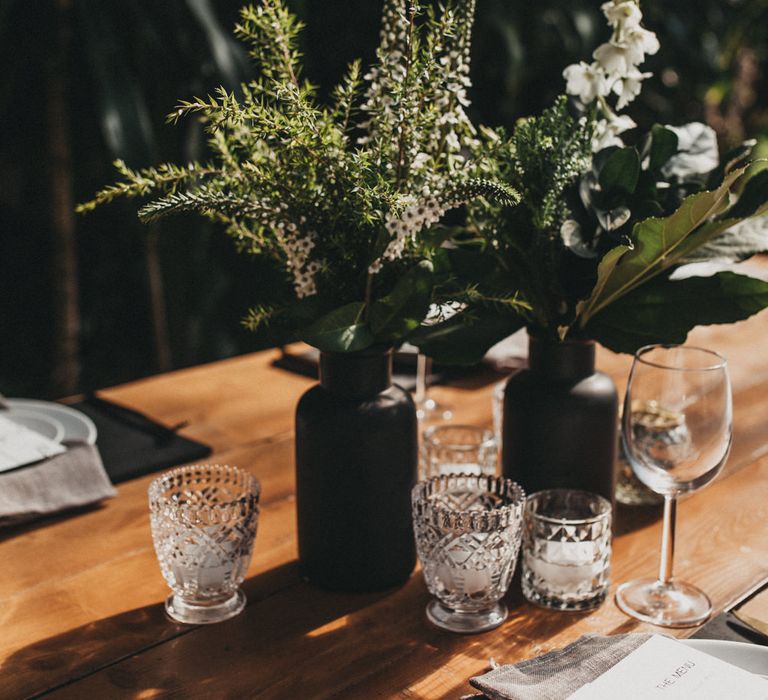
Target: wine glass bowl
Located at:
point(677, 432)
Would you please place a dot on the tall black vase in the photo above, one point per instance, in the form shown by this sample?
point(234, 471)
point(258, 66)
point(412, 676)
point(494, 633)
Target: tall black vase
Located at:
point(356, 462)
point(560, 420)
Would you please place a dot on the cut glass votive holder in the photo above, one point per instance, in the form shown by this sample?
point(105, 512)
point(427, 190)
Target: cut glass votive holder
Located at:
point(459, 449)
point(468, 530)
point(203, 520)
point(566, 549)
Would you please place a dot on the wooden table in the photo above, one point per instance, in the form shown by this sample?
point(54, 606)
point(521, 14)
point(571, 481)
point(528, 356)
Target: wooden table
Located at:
point(81, 596)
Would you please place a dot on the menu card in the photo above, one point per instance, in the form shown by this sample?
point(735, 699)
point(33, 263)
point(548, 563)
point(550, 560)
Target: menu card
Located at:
point(19, 445)
point(665, 668)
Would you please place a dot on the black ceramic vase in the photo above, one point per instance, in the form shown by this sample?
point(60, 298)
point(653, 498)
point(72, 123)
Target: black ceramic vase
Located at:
point(356, 462)
point(560, 420)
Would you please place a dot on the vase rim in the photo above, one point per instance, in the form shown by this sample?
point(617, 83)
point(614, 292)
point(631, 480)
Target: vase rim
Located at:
point(370, 351)
point(540, 334)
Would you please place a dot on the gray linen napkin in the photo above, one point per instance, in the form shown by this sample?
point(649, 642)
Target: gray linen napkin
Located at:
point(560, 673)
point(75, 478)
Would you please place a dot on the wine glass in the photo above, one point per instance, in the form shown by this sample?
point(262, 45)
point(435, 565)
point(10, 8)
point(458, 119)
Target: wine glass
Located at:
point(427, 409)
point(677, 435)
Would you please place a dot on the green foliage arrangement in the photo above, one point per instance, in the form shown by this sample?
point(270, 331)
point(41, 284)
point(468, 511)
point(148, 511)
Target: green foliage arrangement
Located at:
point(611, 221)
point(341, 196)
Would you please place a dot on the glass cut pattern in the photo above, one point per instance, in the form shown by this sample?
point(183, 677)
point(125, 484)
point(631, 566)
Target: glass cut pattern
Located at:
point(204, 521)
point(468, 533)
point(567, 550)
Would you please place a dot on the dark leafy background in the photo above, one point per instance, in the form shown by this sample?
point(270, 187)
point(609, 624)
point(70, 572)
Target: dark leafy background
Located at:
point(126, 66)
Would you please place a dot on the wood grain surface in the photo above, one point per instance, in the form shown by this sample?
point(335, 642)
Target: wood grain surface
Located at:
point(81, 595)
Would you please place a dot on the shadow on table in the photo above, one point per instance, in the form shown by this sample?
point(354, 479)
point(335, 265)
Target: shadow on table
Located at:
point(290, 638)
point(630, 518)
point(8, 532)
point(112, 643)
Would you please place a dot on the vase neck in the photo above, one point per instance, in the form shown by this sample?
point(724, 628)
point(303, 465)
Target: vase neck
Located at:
point(356, 374)
point(568, 359)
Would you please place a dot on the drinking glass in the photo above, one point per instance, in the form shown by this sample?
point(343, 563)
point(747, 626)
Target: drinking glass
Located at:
point(566, 549)
point(204, 520)
point(459, 449)
point(427, 409)
point(677, 435)
point(468, 531)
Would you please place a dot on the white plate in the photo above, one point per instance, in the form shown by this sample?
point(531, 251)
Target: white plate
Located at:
point(44, 425)
point(750, 657)
point(76, 425)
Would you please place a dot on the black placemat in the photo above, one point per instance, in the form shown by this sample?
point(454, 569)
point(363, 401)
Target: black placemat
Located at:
point(727, 626)
point(131, 444)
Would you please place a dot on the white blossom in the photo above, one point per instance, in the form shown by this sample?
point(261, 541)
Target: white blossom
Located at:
point(615, 59)
point(614, 70)
point(403, 229)
point(628, 87)
point(642, 41)
point(625, 13)
point(297, 249)
point(585, 80)
point(607, 131)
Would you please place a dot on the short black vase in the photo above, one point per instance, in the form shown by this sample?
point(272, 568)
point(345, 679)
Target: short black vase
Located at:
point(560, 420)
point(356, 463)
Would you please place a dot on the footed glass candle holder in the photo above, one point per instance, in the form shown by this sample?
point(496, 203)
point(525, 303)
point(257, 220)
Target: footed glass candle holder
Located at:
point(204, 520)
point(566, 549)
point(468, 530)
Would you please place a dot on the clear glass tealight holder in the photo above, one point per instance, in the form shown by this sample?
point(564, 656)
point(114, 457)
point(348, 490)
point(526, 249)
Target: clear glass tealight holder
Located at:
point(204, 520)
point(566, 549)
point(459, 449)
point(468, 530)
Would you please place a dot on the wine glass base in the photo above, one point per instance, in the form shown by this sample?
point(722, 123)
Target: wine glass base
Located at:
point(430, 410)
point(675, 604)
point(466, 622)
point(194, 614)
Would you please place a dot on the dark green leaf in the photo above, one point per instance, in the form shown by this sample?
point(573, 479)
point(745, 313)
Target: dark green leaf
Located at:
point(752, 197)
point(466, 337)
point(341, 330)
point(399, 313)
point(737, 157)
point(664, 311)
point(663, 146)
point(658, 244)
point(620, 172)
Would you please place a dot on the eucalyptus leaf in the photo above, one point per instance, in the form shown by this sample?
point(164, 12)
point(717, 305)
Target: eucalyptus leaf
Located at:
point(658, 244)
point(664, 311)
point(620, 172)
point(341, 330)
point(394, 316)
point(663, 146)
point(465, 338)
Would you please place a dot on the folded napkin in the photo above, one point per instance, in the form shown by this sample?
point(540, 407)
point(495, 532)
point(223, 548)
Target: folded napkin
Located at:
point(560, 673)
point(68, 480)
point(74, 478)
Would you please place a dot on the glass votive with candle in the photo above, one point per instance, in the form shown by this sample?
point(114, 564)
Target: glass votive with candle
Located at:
point(566, 549)
point(459, 449)
point(468, 530)
point(203, 519)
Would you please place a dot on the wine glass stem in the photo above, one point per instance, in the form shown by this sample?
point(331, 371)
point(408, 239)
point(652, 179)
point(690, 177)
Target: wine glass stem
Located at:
point(668, 540)
point(422, 368)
